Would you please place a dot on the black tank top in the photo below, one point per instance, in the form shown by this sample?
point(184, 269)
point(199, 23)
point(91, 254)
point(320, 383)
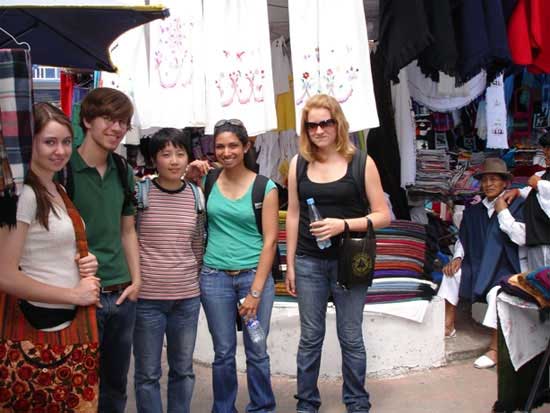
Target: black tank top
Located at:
point(337, 199)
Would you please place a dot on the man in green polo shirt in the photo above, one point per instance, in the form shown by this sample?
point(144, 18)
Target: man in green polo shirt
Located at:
point(104, 203)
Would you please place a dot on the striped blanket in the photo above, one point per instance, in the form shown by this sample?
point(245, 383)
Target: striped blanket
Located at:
point(16, 127)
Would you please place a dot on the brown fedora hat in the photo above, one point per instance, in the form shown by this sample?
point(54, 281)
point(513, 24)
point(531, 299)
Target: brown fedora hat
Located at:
point(494, 166)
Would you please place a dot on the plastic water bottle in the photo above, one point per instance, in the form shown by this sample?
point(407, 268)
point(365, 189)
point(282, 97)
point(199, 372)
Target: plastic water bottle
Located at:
point(315, 215)
point(255, 330)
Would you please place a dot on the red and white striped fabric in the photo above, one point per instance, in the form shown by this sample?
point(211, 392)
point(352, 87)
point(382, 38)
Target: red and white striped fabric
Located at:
point(170, 245)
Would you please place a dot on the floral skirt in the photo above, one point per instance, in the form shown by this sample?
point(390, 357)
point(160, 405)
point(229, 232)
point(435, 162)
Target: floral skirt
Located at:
point(48, 372)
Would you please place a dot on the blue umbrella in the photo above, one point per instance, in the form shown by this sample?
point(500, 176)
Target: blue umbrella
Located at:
point(72, 36)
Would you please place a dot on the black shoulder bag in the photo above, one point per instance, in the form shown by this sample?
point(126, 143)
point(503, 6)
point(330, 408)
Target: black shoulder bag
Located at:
point(357, 254)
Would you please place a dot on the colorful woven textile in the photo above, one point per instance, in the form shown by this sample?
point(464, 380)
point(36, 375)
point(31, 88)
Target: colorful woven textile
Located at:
point(16, 121)
point(401, 248)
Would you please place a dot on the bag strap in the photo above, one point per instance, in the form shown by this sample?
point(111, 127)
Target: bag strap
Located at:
point(122, 168)
point(258, 193)
point(209, 182)
point(199, 198)
point(78, 224)
point(358, 164)
point(143, 187)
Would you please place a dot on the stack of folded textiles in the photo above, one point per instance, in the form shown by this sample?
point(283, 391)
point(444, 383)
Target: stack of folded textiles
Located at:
point(280, 288)
point(531, 286)
point(400, 250)
point(400, 289)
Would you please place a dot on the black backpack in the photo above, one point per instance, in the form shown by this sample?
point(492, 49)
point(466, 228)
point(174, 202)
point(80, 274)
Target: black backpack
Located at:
point(66, 178)
point(258, 191)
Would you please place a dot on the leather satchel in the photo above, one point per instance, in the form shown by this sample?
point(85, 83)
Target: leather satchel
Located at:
point(356, 258)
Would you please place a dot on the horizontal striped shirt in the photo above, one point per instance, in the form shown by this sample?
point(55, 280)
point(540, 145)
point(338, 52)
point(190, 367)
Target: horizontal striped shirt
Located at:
point(170, 245)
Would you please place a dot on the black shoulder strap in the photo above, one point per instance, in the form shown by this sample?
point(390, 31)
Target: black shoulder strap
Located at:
point(358, 163)
point(301, 170)
point(121, 165)
point(209, 182)
point(258, 192)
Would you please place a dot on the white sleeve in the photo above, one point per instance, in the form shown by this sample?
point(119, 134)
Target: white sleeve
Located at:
point(26, 205)
point(543, 195)
point(514, 229)
point(524, 192)
point(459, 250)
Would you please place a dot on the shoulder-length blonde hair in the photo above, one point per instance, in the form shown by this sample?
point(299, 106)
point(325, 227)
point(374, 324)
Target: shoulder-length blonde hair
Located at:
point(343, 145)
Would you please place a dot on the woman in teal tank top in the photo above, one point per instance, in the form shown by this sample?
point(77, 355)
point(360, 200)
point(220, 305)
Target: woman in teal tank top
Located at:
point(237, 266)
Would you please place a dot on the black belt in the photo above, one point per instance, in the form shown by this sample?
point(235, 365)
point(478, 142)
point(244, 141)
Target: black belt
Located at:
point(234, 273)
point(115, 288)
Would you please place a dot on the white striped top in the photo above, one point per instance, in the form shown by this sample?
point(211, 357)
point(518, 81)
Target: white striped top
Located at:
point(170, 245)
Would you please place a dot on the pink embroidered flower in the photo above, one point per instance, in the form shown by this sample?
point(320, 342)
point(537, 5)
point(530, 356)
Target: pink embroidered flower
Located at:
point(305, 75)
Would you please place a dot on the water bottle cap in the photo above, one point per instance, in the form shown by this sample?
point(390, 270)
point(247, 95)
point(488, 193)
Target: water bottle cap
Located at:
point(310, 201)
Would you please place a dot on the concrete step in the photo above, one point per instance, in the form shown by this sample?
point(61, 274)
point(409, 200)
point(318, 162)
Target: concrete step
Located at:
point(472, 339)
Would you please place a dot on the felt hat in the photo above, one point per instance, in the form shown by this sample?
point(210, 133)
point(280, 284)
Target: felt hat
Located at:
point(493, 166)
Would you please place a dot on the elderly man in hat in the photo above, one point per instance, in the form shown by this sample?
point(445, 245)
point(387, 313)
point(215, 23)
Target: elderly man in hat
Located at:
point(485, 252)
point(537, 211)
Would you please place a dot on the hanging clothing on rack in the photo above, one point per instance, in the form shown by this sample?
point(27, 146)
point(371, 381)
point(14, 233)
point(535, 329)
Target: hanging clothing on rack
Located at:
point(497, 131)
point(16, 127)
point(482, 42)
point(427, 92)
point(66, 85)
point(404, 33)
point(239, 80)
point(529, 35)
point(330, 54)
point(176, 67)
point(442, 54)
point(405, 128)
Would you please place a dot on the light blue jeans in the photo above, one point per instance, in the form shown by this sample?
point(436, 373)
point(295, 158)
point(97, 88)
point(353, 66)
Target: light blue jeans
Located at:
point(315, 282)
point(219, 296)
point(177, 319)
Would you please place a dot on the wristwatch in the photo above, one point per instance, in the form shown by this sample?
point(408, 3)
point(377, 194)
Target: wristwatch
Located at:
point(255, 293)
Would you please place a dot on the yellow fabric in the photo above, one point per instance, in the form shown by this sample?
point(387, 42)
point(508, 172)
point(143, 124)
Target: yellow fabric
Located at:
point(286, 115)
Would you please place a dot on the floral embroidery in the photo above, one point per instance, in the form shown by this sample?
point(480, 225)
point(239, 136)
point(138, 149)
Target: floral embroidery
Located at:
point(48, 378)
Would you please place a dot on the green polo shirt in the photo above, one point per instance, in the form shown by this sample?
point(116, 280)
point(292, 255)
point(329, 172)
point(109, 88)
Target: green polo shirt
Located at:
point(100, 202)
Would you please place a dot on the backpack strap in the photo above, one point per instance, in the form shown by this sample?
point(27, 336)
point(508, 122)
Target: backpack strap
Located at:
point(209, 182)
point(258, 193)
point(121, 165)
point(143, 187)
point(358, 163)
point(200, 205)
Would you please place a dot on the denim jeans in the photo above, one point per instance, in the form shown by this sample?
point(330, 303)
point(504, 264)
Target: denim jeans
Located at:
point(177, 319)
point(219, 296)
point(315, 282)
point(116, 330)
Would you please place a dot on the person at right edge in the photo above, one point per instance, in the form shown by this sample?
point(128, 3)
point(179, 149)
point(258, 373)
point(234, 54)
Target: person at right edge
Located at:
point(536, 211)
point(312, 273)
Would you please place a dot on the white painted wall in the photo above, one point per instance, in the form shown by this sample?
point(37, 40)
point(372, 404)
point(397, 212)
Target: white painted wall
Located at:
point(394, 345)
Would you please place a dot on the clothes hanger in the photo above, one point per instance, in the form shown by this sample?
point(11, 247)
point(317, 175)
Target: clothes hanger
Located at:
point(27, 45)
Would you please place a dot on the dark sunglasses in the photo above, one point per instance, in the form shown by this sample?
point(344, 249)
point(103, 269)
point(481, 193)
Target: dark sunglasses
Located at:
point(234, 122)
point(312, 126)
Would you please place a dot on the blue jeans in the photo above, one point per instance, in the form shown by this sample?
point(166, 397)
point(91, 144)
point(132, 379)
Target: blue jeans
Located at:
point(178, 320)
point(219, 296)
point(315, 281)
point(116, 330)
